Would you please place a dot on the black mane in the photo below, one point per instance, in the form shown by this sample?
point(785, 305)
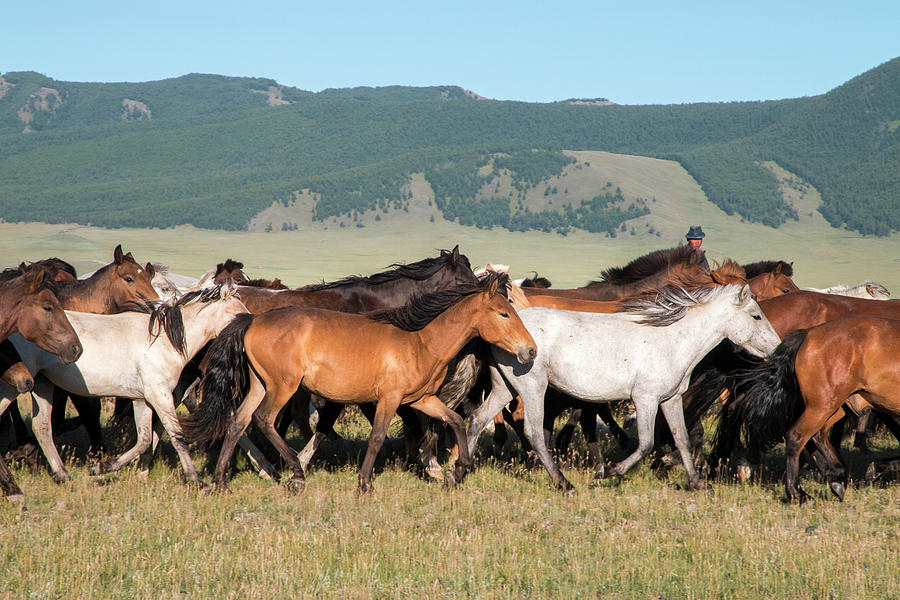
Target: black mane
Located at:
point(422, 310)
point(167, 317)
point(647, 265)
point(418, 271)
point(768, 266)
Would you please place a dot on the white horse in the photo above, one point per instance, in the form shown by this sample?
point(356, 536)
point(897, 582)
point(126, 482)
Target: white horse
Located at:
point(867, 289)
point(646, 354)
point(127, 355)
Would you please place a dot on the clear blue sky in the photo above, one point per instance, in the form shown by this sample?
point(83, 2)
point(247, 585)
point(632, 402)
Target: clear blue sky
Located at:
point(632, 52)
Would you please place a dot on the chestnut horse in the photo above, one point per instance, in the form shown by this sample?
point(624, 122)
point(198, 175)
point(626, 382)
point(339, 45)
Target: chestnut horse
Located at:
point(810, 376)
point(389, 358)
point(29, 307)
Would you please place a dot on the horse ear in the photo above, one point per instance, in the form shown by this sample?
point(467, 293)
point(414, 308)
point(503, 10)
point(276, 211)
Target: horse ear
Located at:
point(150, 269)
point(129, 257)
point(777, 270)
point(745, 294)
point(118, 255)
point(493, 287)
point(37, 280)
point(716, 277)
point(23, 267)
point(454, 255)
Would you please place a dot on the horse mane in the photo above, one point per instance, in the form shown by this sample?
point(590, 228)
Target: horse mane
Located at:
point(669, 304)
point(161, 269)
point(269, 284)
point(53, 262)
point(418, 271)
point(730, 268)
point(536, 281)
point(167, 317)
point(423, 309)
point(768, 266)
point(647, 265)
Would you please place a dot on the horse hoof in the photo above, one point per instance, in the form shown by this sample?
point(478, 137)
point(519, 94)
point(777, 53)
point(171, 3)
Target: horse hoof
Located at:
point(18, 500)
point(449, 480)
point(710, 491)
point(365, 488)
point(837, 489)
point(97, 469)
point(434, 473)
point(569, 490)
point(297, 486)
point(143, 474)
point(61, 478)
point(871, 472)
point(744, 473)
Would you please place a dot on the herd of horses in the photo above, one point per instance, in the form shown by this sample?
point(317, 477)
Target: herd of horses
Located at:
point(439, 345)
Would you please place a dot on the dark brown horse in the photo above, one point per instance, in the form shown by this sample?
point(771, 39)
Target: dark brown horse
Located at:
point(805, 382)
point(681, 266)
point(389, 358)
point(29, 307)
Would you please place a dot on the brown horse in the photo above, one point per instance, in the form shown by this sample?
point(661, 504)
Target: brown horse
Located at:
point(29, 307)
point(770, 278)
point(389, 358)
point(798, 310)
point(681, 266)
point(119, 286)
point(811, 375)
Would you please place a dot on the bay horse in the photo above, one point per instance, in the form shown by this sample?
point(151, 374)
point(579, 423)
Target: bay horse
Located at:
point(28, 307)
point(115, 287)
point(682, 266)
point(805, 382)
point(126, 355)
point(389, 358)
point(645, 353)
point(798, 310)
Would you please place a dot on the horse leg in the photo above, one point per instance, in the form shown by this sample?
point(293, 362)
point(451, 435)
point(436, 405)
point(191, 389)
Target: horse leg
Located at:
point(832, 467)
point(795, 439)
point(7, 483)
point(673, 411)
point(161, 400)
point(385, 408)
point(89, 413)
point(646, 408)
point(328, 415)
point(588, 423)
point(499, 397)
point(143, 422)
point(500, 434)
point(23, 434)
point(264, 418)
point(433, 407)
point(860, 440)
point(236, 428)
point(604, 411)
point(41, 422)
point(532, 397)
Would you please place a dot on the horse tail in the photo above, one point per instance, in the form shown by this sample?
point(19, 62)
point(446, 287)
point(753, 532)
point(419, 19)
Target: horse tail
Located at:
point(771, 400)
point(225, 384)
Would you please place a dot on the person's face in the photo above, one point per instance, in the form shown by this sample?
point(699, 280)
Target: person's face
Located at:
point(694, 243)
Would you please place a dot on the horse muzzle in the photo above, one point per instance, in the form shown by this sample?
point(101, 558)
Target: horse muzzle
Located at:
point(70, 353)
point(526, 354)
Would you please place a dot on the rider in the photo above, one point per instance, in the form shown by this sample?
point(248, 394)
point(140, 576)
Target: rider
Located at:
point(694, 238)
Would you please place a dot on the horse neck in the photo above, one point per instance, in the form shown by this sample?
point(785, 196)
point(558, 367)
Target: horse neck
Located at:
point(201, 327)
point(643, 285)
point(700, 329)
point(10, 305)
point(91, 295)
point(446, 335)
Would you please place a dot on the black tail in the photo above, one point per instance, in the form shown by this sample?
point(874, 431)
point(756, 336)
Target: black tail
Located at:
point(771, 400)
point(225, 384)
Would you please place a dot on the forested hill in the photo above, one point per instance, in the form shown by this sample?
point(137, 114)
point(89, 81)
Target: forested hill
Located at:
point(214, 151)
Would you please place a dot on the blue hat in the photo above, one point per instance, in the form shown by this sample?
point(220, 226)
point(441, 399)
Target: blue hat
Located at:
point(695, 233)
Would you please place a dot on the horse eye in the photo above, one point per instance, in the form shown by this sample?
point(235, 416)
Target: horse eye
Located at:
point(504, 315)
point(757, 317)
point(785, 291)
point(129, 280)
point(48, 308)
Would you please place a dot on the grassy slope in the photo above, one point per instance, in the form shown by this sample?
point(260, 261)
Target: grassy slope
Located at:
point(822, 255)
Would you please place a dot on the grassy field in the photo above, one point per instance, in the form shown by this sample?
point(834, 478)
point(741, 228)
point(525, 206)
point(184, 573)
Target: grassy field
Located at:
point(504, 532)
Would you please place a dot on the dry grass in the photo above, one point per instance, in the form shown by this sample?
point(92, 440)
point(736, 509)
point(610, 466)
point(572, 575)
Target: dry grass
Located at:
point(502, 534)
